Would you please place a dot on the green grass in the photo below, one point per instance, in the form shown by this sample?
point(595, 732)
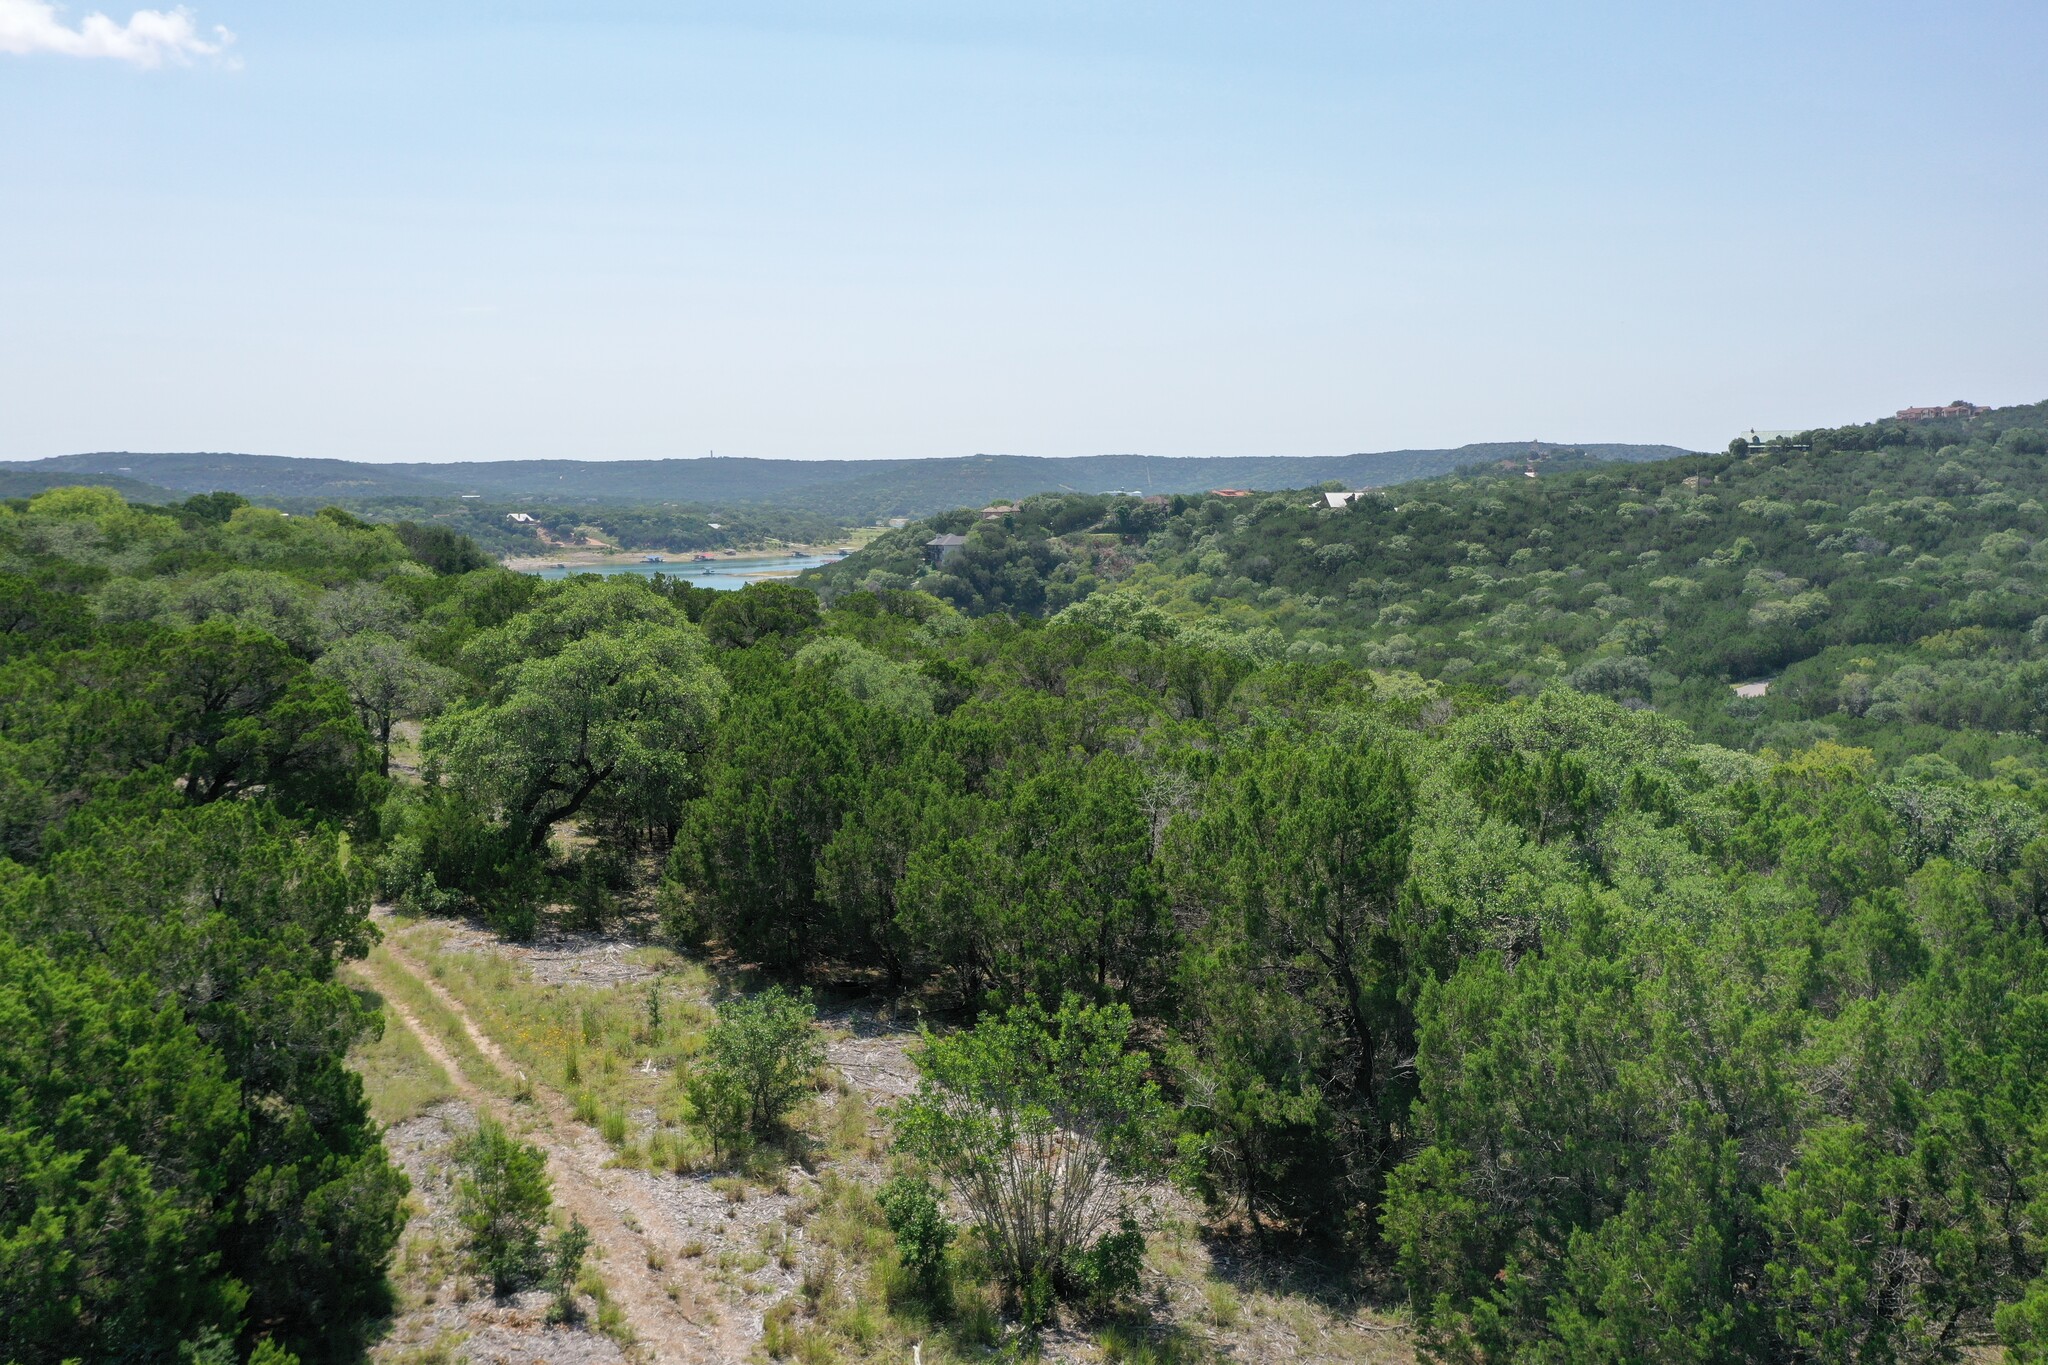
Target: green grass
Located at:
point(1128, 1345)
point(592, 1042)
point(399, 1079)
point(609, 1319)
point(399, 984)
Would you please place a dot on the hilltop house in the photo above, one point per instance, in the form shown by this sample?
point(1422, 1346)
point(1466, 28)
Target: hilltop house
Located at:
point(939, 547)
point(1956, 409)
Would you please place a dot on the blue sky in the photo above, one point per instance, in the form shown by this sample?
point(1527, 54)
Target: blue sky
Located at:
point(619, 229)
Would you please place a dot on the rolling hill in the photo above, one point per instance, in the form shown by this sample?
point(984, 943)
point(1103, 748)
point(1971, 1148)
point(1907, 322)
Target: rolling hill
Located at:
point(852, 490)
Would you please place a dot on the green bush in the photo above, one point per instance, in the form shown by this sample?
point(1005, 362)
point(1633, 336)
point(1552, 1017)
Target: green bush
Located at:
point(565, 1264)
point(445, 856)
point(720, 1105)
point(501, 1202)
point(1031, 1117)
point(1035, 1300)
point(1107, 1273)
point(758, 1061)
point(922, 1234)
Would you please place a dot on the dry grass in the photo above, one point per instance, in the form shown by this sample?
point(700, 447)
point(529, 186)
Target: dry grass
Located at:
point(619, 1053)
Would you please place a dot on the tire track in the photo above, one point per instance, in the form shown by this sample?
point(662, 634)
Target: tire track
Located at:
point(577, 1160)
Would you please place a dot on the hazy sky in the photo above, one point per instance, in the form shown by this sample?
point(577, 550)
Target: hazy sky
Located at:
point(606, 228)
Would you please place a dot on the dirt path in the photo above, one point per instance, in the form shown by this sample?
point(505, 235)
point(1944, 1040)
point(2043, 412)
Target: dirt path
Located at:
point(735, 1258)
point(617, 1210)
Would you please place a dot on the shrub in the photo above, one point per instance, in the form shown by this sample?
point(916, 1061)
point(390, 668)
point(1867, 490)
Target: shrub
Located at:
point(444, 856)
point(922, 1234)
point(501, 1203)
point(1038, 1121)
point(565, 1266)
point(1035, 1299)
point(758, 1061)
point(1108, 1272)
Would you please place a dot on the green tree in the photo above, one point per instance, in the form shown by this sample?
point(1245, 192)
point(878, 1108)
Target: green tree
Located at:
point(440, 549)
point(119, 1130)
point(1297, 870)
point(231, 709)
point(1055, 890)
point(241, 919)
point(1039, 1122)
point(387, 683)
point(759, 1059)
point(761, 611)
point(502, 1198)
point(614, 711)
point(861, 869)
point(785, 778)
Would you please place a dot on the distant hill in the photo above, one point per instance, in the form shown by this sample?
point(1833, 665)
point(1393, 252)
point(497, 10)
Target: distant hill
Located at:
point(850, 490)
point(1879, 577)
point(19, 482)
point(253, 476)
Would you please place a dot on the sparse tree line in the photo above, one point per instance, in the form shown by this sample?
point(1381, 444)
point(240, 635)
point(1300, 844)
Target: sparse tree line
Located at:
point(1603, 1043)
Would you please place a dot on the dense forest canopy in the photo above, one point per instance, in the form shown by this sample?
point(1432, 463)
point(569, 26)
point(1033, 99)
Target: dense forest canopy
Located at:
point(1886, 578)
point(1411, 861)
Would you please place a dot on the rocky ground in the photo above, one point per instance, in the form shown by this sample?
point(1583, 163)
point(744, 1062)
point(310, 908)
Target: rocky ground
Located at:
point(698, 1262)
point(448, 1314)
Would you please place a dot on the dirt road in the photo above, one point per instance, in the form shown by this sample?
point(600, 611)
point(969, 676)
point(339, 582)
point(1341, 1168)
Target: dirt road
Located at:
point(616, 1208)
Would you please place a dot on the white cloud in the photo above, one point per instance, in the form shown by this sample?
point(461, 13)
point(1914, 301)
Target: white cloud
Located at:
point(150, 38)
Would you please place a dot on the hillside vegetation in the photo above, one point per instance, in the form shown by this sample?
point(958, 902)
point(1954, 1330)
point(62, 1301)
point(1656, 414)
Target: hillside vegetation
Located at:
point(555, 525)
point(1887, 578)
point(853, 492)
point(1330, 937)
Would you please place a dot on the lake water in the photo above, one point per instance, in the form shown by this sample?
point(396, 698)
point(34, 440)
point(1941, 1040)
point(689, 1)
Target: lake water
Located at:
point(724, 574)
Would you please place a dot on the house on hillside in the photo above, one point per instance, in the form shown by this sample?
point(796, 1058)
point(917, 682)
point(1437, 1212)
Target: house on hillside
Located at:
point(997, 510)
point(939, 547)
point(1230, 492)
point(1959, 408)
point(521, 518)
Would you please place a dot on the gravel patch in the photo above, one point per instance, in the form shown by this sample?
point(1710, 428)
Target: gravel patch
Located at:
point(558, 959)
point(873, 1053)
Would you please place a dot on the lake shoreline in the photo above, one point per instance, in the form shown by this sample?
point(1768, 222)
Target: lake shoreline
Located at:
point(724, 574)
point(600, 562)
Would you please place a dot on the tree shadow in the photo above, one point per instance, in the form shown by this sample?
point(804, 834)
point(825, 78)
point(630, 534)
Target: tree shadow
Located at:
point(1335, 1278)
point(1141, 1337)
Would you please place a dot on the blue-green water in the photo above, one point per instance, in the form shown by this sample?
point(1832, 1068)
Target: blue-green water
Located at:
point(725, 574)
